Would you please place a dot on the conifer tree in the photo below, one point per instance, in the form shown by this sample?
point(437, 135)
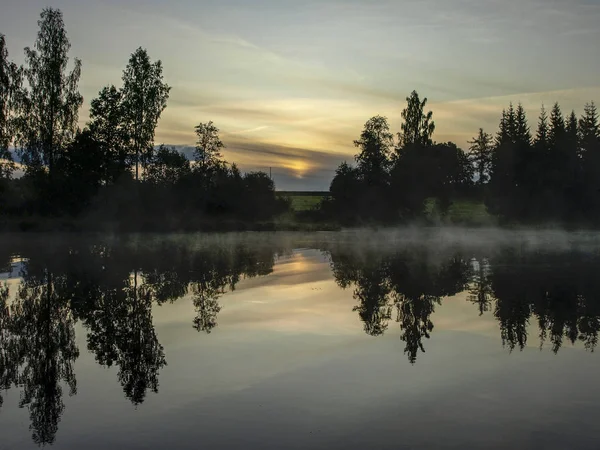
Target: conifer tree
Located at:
point(541, 136)
point(557, 127)
point(522, 134)
point(481, 155)
point(572, 130)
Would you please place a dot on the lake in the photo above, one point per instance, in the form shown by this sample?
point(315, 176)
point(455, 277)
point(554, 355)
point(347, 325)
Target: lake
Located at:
point(405, 339)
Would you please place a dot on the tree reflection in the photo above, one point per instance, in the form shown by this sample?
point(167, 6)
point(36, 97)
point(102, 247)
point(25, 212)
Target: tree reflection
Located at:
point(558, 292)
point(408, 280)
point(8, 348)
point(39, 350)
point(480, 289)
point(112, 288)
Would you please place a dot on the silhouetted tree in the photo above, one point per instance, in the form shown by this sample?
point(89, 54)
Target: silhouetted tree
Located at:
point(418, 127)
point(375, 145)
point(589, 138)
point(208, 145)
point(168, 167)
point(10, 89)
point(144, 97)
point(80, 174)
point(541, 136)
point(512, 188)
point(480, 155)
point(345, 189)
point(410, 183)
point(557, 129)
point(109, 127)
point(48, 121)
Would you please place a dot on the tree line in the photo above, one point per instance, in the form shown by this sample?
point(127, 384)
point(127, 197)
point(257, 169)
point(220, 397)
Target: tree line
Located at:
point(552, 176)
point(110, 168)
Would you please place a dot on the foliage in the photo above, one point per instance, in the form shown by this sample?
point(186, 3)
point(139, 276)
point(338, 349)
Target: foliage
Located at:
point(10, 90)
point(418, 127)
point(50, 107)
point(208, 145)
point(144, 98)
point(109, 128)
point(480, 155)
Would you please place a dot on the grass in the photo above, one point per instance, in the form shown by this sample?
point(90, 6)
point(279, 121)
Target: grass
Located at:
point(304, 201)
point(460, 212)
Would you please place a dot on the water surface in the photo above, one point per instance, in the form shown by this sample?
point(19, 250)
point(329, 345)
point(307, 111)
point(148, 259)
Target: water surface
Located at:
point(407, 339)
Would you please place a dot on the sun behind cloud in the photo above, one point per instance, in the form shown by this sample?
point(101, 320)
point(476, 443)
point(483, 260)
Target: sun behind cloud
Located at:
point(299, 168)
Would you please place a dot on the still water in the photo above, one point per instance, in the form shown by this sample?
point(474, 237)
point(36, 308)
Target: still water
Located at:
point(353, 340)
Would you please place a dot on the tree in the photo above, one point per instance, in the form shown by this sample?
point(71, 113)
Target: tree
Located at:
point(208, 146)
point(168, 167)
point(145, 96)
point(503, 185)
point(80, 173)
point(589, 128)
point(345, 190)
point(417, 127)
point(522, 134)
point(52, 101)
point(572, 130)
point(481, 155)
point(108, 127)
point(589, 138)
point(541, 136)
point(557, 127)
point(10, 87)
point(502, 135)
point(375, 146)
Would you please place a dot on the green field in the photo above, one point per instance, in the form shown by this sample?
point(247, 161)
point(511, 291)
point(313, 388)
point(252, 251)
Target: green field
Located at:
point(303, 201)
point(467, 212)
point(460, 212)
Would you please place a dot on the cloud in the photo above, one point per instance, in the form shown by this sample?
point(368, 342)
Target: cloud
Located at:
point(293, 168)
point(251, 130)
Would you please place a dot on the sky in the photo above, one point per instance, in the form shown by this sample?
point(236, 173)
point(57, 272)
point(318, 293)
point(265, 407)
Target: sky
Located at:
point(291, 83)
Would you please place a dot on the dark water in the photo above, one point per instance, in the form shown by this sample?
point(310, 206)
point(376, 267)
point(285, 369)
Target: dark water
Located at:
point(436, 339)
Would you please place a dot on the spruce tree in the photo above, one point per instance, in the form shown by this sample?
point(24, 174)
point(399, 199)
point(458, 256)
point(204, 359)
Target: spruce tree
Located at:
point(589, 135)
point(502, 135)
point(541, 136)
point(480, 155)
point(588, 127)
point(572, 130)
point(557, 127)
point(522, 133)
